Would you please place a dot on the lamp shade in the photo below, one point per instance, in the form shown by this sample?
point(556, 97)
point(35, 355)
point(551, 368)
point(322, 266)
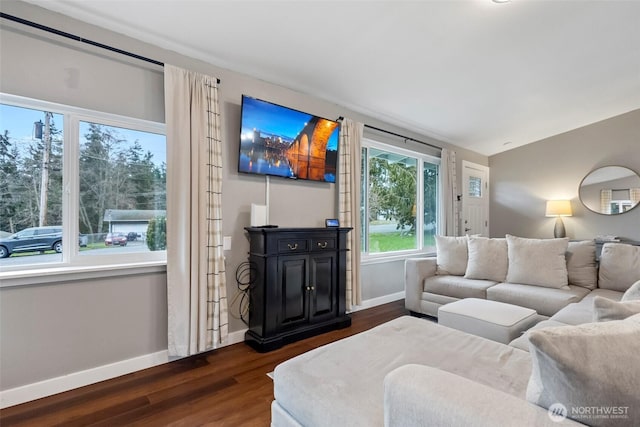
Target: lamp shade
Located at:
point(558, 208)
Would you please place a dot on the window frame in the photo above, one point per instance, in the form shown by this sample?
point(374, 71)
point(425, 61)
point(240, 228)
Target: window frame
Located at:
point(72, 262)
point(421, 159)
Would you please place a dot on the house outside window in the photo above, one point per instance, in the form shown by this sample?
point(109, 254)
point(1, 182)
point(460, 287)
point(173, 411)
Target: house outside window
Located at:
point(72, 169)
point(399, 202)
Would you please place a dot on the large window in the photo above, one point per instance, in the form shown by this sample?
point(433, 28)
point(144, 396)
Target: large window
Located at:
point(399, 200)
point(75, 183)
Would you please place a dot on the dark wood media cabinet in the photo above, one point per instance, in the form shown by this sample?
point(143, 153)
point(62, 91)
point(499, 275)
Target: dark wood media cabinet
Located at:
point(298, 284)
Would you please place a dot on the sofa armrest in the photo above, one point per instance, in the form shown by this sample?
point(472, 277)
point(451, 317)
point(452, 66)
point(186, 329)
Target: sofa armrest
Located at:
point(415, 271)
point(418, 395)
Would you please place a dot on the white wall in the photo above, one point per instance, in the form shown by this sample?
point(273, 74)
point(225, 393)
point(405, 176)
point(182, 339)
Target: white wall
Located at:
point(523, 179)
point(49, 330)
point(65, 327)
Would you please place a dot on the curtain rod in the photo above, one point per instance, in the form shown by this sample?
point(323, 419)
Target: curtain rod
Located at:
point(79, 39)
point(406, 138)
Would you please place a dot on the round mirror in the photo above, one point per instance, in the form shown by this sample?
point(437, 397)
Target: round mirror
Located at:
point(610, 190)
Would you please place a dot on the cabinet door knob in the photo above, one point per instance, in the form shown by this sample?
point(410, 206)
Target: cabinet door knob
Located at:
point(292, 247)
point(322, 245)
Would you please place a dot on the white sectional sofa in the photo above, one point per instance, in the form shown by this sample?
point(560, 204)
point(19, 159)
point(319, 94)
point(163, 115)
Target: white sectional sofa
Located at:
point(477, 267)
point(414, 372)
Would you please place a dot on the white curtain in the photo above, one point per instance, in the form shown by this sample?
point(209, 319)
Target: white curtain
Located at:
point(634, 195)
point(349, 204)
point(196, 289)
point(605, 201)
point(448, 215)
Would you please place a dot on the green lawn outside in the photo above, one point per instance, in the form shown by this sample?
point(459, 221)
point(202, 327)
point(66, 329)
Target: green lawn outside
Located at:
point(99, 245)
point(20, 254)
point(90, 246)
point(390, 242)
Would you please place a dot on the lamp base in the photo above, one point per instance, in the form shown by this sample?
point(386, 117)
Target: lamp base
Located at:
point(559, 231)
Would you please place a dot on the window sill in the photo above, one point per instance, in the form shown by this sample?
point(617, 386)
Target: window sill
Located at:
point(384, 258)
point(65, 274)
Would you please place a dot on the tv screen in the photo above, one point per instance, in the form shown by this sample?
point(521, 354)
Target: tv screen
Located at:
point(280, 141)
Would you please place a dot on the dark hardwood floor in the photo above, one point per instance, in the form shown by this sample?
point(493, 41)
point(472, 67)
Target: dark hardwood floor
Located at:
point(224, 387)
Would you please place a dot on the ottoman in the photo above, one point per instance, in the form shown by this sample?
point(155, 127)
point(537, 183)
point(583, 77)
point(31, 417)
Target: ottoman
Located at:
point(494, 320)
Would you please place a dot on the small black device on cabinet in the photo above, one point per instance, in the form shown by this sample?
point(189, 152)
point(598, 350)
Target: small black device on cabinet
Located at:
point(332, 222)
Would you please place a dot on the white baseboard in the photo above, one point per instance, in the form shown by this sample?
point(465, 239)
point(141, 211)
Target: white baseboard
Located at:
point(52, 386)
point(373, 302)
point(26, 393)
point(29, 392)
point(235, 337)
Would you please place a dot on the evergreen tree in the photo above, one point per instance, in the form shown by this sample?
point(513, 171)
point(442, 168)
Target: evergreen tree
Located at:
point(8, 175)
point(96, 191)
point(142, 173)
point(20, 182)
point(54, 205)
point(157, 234)
point(116, 175)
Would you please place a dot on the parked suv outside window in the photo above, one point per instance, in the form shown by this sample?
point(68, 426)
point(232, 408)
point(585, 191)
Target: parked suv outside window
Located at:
point(34, 239)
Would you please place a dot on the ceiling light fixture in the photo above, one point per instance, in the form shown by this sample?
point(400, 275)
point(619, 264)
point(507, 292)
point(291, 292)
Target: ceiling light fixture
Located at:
point(501, 1)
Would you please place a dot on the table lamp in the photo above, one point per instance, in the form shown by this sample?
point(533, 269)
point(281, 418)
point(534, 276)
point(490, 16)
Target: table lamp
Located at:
point(559, 208)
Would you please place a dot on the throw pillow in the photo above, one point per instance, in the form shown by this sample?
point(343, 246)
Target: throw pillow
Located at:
point(451, 254)
point(539, 262)
point(591, 366)
point(581, 264)
point(487, 259)
point(633, 293)
point(605, 310)
point(619, 266)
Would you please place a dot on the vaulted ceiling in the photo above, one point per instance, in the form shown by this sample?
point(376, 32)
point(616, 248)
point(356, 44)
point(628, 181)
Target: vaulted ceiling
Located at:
point(482, 75)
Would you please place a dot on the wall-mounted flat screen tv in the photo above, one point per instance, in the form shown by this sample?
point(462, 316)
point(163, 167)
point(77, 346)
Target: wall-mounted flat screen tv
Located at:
point(280, 141)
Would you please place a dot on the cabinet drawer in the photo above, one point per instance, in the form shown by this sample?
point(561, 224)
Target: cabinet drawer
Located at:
point(292, 245)
point(323, 244)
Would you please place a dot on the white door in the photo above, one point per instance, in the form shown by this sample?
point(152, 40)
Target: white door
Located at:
point(475, 199)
